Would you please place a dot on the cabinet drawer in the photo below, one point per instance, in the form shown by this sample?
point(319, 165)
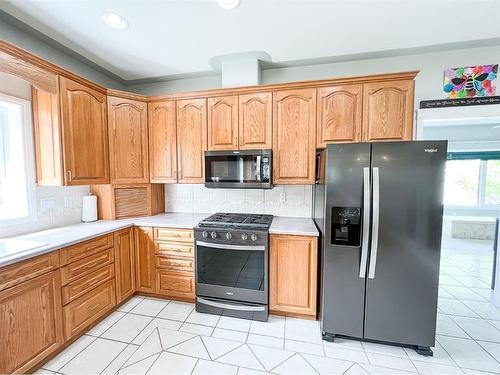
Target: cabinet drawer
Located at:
point(19, 272)
point(178, 235)
point(175, 249)
point(83, 267)
point(175, 264)
point(174, 284)
point(85, 310)
point(83, 249)
point(81, 286)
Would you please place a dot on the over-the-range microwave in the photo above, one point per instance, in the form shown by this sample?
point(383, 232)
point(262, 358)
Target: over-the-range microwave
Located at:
point(245, 169)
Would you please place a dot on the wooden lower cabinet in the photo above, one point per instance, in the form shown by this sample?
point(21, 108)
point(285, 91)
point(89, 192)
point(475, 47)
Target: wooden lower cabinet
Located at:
point(124, 263)
point(175, 284)
point(84, 311)
point(293, 274)
point(144, 260)
point(31, 323)
point(174, 262)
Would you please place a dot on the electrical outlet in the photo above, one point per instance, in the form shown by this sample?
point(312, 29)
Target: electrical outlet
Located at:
point(282, 197)
point(47, 203)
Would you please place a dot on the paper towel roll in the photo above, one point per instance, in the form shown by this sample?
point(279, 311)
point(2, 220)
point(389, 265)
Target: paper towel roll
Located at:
point(89, 208)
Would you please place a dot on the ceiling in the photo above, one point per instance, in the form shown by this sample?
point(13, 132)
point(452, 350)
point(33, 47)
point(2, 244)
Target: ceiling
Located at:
point(171, 38)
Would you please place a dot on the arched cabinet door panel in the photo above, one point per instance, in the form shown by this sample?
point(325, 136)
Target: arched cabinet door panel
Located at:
point(191, 140)
point(339, 114)
point(162, 142)
point(256, 121)
point(223, 123)
point(85, 134)
point(388, 111)
point(128, 140)
point(294, 134)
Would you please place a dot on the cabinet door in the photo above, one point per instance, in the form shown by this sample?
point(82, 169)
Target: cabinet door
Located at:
point(128, 141)
point(293, 271)
point(191, 140)
point(388, 111)
point(162, 142)
point(47, 134)
point(144, 259)
point(31, 328)
point(339, 114)
point(85, 134)
point(124, 264)
point(256, 121)
point(223, 123)
point(294, 113)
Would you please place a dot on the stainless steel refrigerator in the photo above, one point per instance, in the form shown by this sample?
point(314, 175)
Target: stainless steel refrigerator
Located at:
point(379, 209)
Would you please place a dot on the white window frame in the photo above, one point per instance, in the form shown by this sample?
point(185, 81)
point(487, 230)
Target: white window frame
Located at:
point(29, 160)
point(481, 191)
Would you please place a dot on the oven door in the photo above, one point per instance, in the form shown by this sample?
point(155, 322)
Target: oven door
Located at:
point(232, 272)
point(238, 169)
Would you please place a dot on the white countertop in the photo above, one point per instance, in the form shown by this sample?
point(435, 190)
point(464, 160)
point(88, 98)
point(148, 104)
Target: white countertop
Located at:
point(26, 246)
point(294, 225)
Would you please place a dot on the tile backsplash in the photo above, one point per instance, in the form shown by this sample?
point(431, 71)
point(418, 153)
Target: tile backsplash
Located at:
point(281, 200)
point(67, 210)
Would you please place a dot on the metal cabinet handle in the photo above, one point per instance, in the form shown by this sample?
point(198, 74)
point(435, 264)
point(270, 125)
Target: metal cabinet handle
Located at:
point(375, 223)
point(68, 173)
point(180, 175)
point(366, 222)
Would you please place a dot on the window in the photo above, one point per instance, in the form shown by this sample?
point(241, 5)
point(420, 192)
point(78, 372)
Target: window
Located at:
point(16, 160)
point(473, 179)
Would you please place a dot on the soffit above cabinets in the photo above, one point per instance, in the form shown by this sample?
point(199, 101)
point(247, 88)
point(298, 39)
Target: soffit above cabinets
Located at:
point(176, 38)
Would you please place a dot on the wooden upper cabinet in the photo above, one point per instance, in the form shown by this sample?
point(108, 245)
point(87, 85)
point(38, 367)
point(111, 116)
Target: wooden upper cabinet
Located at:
point(223, 123)
point(293, 274)
point(85, 134)
point(162, 142)
point(128, 140)
point(339, 114)
point(255, 121)
point(191, 140)
point(294, 151)
point(47, 134)
point(31, 316)
point(388, 110)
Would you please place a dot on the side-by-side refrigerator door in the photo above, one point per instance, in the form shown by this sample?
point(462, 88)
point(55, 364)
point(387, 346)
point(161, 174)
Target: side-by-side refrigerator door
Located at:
point(344, 253)
point(403, 271)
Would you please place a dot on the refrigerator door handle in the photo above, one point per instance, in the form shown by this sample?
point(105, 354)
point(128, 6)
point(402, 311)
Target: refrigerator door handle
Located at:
point(375, 222)
point(366, 222)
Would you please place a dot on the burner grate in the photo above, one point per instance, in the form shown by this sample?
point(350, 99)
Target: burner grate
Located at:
point(237, 219)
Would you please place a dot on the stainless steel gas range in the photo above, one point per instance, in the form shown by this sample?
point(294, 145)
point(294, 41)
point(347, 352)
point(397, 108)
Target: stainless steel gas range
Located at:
point(232, 265)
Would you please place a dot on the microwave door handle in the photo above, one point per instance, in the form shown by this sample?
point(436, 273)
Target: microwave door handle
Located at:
point(259, 167)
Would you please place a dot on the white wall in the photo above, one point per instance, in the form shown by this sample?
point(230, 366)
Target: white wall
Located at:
point(428, 83)
point(68, 200)
point(196, 198)
point(23, 39)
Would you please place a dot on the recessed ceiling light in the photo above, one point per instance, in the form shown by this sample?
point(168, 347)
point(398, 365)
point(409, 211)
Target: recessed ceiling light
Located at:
point(228, 4)
point(115, 20)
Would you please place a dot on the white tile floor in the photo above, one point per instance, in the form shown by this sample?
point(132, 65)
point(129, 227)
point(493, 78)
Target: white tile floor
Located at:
point(153, 336)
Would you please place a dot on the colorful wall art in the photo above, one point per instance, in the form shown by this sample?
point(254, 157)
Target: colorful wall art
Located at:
point(470, 81)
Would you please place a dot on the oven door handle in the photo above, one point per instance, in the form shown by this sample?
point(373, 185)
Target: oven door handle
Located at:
point(230, 247)
point(228, 306)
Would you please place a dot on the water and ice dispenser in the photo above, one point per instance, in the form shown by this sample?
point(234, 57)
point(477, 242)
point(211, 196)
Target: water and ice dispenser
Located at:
point(346, 226)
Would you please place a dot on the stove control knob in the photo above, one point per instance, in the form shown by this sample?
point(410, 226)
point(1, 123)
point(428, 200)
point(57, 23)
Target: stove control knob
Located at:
point(253, 237)
point(244, 236)
point(228, 236)
point(204, 234)
point(213, 235)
